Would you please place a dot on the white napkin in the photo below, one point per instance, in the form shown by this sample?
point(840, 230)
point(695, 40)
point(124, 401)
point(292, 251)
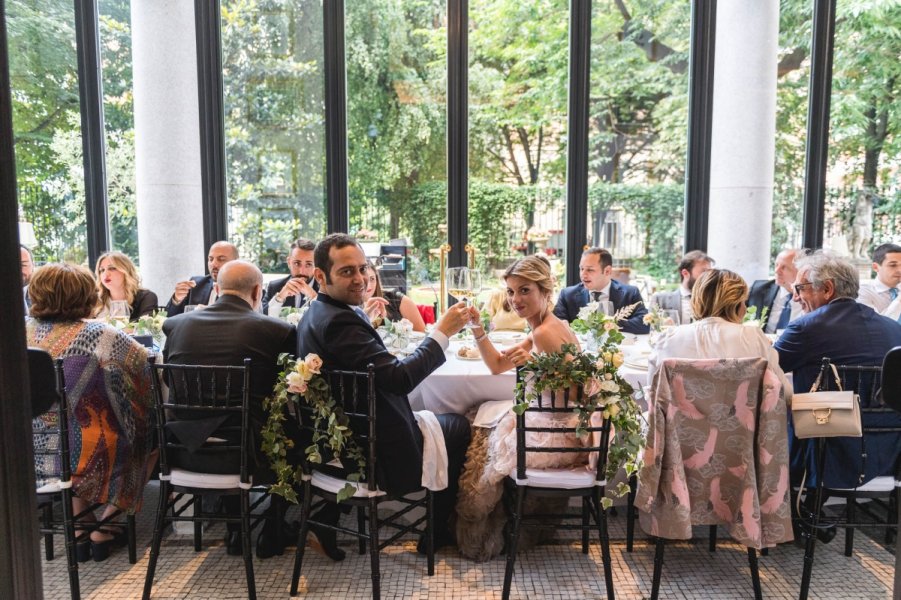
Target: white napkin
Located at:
point(491, 412)
point(434, 452)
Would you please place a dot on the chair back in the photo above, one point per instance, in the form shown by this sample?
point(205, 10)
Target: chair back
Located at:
point(710, 422)
point(354, 393)
point(42, 378)
point(891, 379)
point(50, 429)
point(561, 402)
point(185, 393)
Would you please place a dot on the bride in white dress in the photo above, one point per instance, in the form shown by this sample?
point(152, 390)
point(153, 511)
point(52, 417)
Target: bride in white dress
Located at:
point(492, 452)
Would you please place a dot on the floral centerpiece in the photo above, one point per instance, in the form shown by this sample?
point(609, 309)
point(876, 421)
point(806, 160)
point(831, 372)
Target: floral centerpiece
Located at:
point(293, 315)
point(152, 325)
point(656, 319)
point(751, 319)
point(603, 387)
point(396, 334)
point(601, 328)
point(301, 381)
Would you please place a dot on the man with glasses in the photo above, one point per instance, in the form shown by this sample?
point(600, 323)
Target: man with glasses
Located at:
point(296, 289)
point(836, 326)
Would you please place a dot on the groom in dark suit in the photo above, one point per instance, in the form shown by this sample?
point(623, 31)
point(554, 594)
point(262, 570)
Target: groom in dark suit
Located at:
point(333, 330)
point(595, 271)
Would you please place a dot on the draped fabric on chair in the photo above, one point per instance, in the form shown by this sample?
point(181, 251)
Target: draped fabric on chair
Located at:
point(717, 452)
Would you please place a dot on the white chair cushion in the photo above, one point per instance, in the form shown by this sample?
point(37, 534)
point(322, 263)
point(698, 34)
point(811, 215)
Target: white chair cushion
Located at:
point(567, 479)
point(335, 485)
point(50, 488)
point(204, 480)
point(878, 484)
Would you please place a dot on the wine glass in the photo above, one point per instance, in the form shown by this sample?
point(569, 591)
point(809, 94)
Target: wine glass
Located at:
point(459, 283)
point(605, 307)
point(119, 310)
point(670, 315)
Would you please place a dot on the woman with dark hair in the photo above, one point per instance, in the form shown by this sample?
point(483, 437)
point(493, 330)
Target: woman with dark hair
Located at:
point(108, 384)
point(380, 305)
point(718, 305)
point(118, 280)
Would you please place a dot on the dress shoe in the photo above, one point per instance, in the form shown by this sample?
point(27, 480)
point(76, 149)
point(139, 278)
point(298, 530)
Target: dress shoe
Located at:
point(326, 542)
point(440, 541)
point(233, 545)
point(273, 543)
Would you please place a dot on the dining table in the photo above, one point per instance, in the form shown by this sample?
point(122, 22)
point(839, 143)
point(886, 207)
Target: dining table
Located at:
point(464, 382)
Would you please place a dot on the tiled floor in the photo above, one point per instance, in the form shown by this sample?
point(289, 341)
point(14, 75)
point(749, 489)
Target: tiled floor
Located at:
point(555, 570)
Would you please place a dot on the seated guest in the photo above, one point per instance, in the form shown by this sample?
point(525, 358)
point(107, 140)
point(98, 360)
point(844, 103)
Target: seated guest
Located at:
point(334, 331)
point(27, 270)
point(881, 294)
point(775, 295)
point(200, 290)
point(109, 398)
point(297, 288)
point(380, 305)
point(848, 333)
point(118, 280)
point(692, 265)
point(718, 305)
point(492, 456)
point(595, 268)
point(501, 313)
point(225, 334)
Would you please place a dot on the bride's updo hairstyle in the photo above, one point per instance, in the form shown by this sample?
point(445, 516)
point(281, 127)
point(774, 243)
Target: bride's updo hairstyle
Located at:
point(535, 269)
point(719, 293)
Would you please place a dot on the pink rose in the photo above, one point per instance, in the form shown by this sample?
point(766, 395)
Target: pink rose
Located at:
point(313, 362)
point(296, 383)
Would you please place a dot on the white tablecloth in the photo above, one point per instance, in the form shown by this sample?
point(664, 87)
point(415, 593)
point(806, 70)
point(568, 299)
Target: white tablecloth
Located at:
point(459, 385)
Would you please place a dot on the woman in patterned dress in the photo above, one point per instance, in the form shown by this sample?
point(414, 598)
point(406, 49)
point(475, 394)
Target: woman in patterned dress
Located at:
point(108, 385)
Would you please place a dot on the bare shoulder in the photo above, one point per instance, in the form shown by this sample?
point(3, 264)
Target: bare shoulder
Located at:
point(552, 334)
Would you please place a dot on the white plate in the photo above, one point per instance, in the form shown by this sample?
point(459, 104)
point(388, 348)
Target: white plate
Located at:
point(637, 364)
point(506, 337)
point(463, 357)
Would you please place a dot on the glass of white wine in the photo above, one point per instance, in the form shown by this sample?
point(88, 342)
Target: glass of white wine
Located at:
point(119, 310)
point(463, 284)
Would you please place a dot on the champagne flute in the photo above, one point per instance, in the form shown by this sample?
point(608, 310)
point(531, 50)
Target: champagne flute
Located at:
point(459, 283)
point(119, 310)
point(475, 286)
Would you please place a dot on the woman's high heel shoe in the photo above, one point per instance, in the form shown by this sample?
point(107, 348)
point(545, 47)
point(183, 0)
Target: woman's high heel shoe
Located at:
point(83, 550)
point(100, 550)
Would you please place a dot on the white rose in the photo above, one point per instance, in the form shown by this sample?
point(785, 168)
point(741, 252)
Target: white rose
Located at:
point(296, 383)
point(404, 326)
point(294, 318)
point(609, 386)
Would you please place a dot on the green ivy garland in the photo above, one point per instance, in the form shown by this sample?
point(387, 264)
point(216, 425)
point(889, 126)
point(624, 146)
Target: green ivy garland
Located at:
point(300, 381)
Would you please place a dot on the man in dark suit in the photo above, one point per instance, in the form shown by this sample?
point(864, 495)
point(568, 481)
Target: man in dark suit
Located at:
point(332, 329)
point(595, 271)
point(225, 334)
point(775, 295)
point(296, 289)
point(692, 265)
point(848, 333)
point(200, 290)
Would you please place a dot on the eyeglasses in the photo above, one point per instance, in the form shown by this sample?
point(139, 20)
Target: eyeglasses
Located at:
point(799, 286)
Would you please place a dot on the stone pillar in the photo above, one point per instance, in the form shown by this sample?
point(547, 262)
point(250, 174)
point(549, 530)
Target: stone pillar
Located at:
point(743, 141)
point(167, 143)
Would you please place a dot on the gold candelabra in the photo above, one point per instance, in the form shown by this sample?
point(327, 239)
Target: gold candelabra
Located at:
point(443, 249)
point(471, 251)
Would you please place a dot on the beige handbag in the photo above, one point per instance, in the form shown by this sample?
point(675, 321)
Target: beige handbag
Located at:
point(826, 414)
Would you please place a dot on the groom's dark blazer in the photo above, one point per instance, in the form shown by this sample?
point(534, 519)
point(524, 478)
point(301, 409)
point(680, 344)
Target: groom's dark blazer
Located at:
point(199, 294)
point(574, 297)
point(343, 340)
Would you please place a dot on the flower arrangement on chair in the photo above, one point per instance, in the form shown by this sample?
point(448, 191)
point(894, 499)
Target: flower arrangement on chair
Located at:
point(301, 381)
point(603, 387)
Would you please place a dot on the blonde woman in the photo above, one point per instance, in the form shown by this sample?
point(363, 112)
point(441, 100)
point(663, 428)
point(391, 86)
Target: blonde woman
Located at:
point(492, 452)
point(718, 304)
point(118, 280)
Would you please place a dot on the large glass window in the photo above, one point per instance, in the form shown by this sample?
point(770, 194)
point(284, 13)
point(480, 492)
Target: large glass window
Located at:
point(396, 129)
point(46, 124)
point(118, 115)
point(272, 69)
point(638, 121)
point(518, 76)
point(863, 204)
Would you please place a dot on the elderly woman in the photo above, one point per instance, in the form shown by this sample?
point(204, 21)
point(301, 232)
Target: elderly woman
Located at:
point(118, 280)
point(718, 305)
point(108, 383)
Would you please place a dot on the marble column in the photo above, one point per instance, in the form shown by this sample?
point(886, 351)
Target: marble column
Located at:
point(167, 143)
point(743, 141)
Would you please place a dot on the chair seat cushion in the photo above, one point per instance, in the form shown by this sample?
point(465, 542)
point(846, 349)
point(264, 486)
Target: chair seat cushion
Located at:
point(878, 484)
point(211, 481)
point(334, 485)
point(52, 487)
point(571, 478)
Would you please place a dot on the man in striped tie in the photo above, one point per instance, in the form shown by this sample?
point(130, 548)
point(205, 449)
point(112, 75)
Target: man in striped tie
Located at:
point(881, 294)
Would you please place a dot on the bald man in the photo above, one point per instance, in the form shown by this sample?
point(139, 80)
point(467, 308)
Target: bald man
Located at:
point(225, 334)
point(201, 290)
point(775, 294)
